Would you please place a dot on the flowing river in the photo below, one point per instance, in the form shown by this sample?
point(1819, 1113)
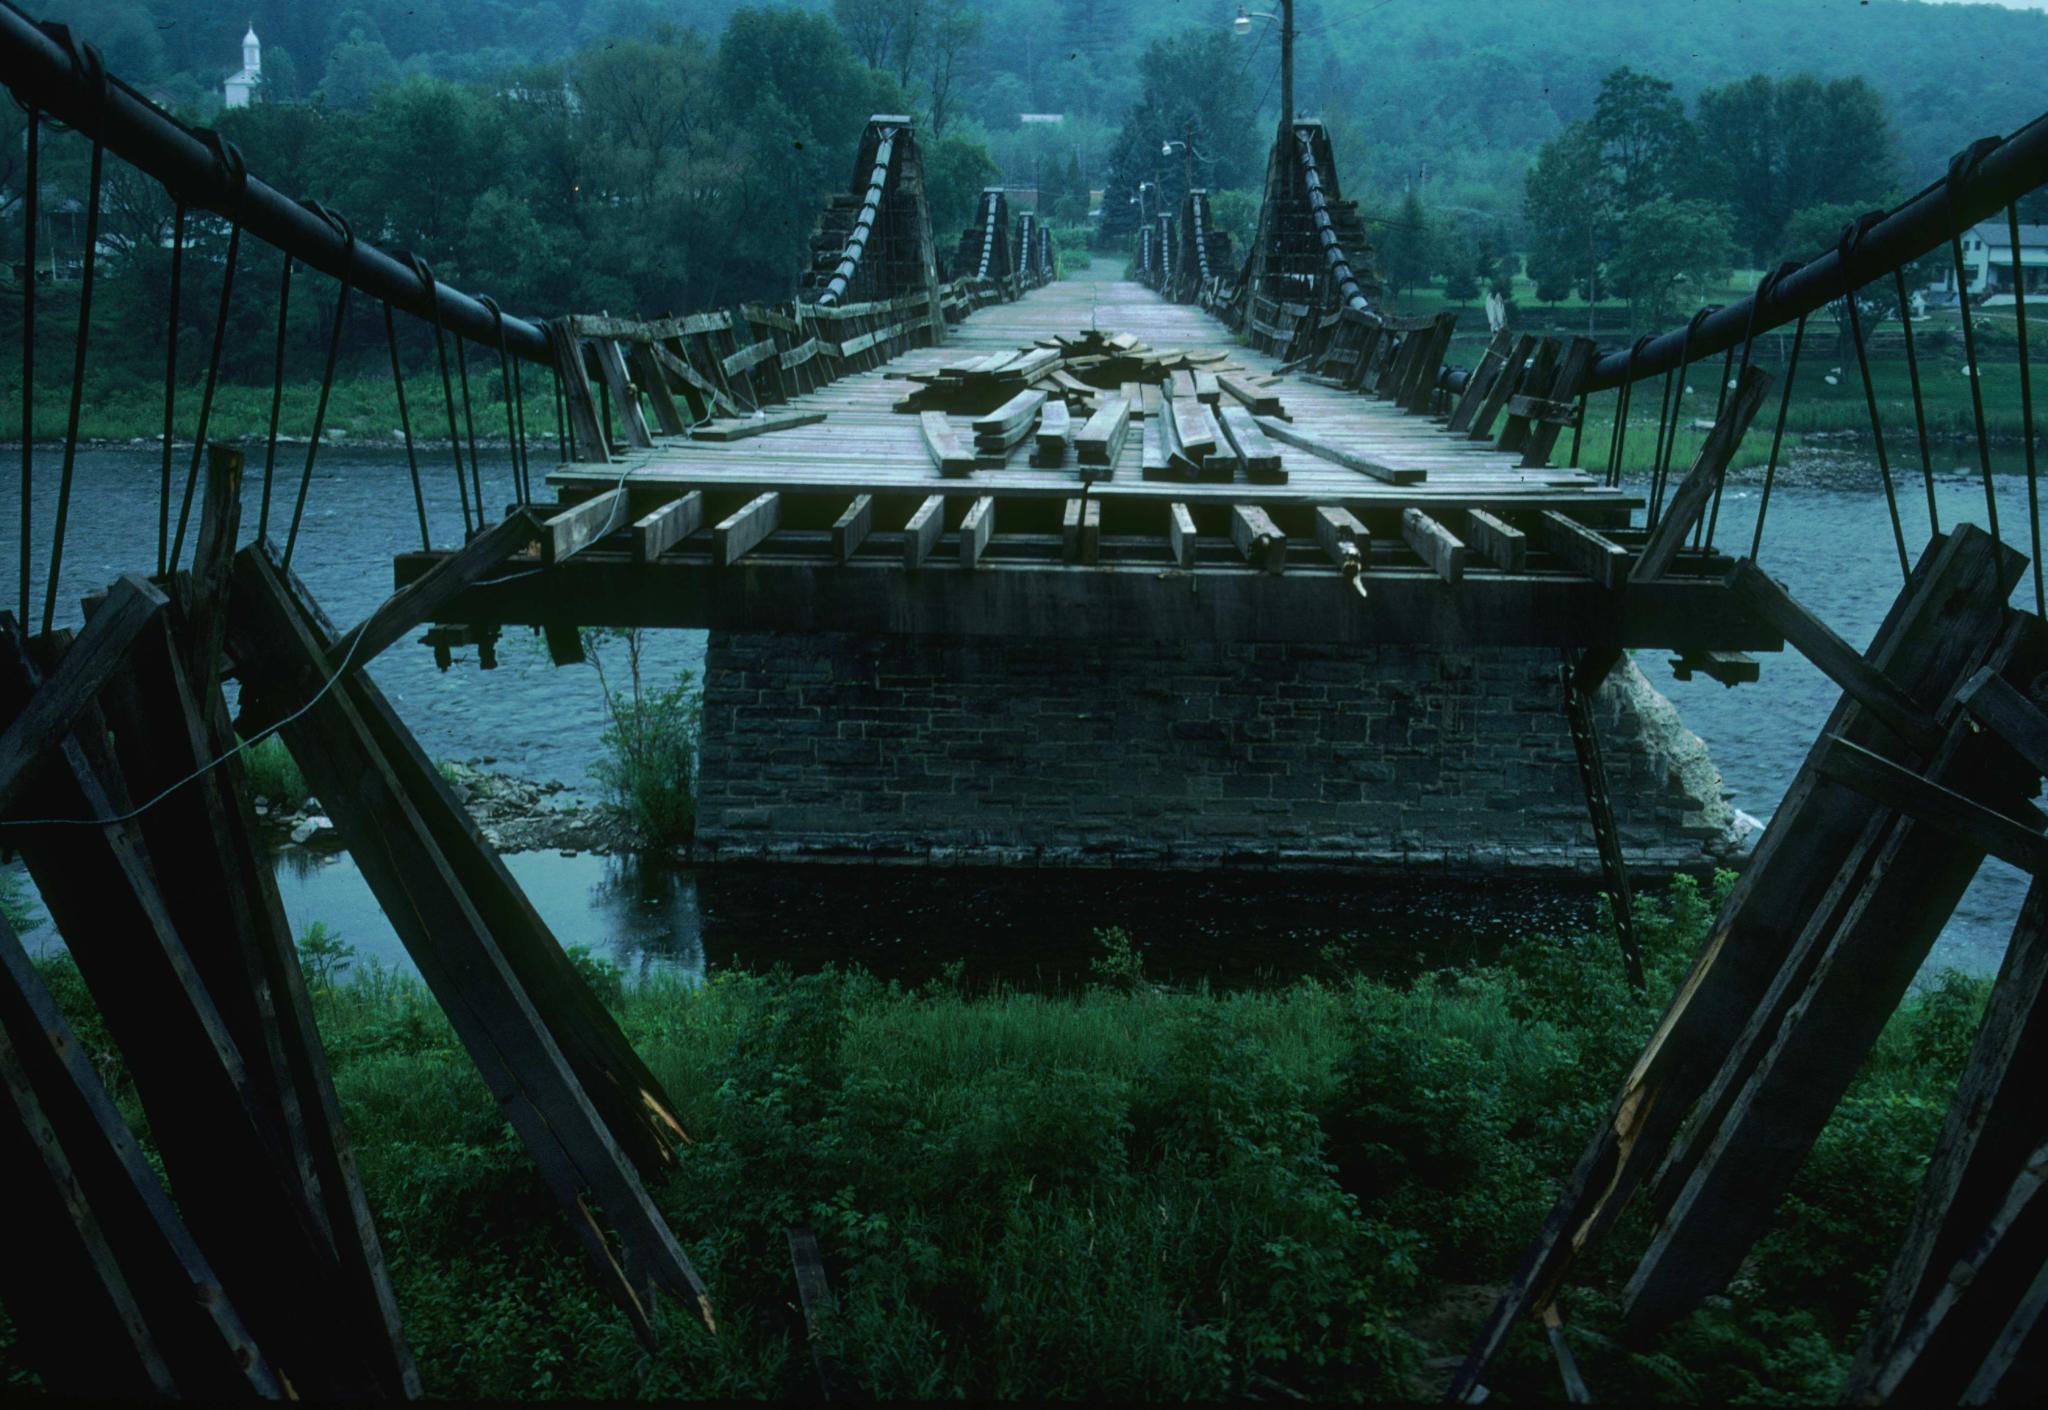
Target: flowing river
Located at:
point(1827, 536)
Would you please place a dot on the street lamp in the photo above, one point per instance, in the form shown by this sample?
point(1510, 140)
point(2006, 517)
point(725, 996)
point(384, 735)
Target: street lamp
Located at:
point(1242, 25)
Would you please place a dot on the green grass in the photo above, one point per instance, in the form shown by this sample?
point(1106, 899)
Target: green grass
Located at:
point(1125, 1192)
point(274, 774)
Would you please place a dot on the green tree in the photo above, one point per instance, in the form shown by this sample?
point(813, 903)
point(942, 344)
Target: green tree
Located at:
point(1405, 246)
point(359, 66)
point(1459, 260)
point(956, 168)
point(1814, 230)
point(1670, 254)
point(280, 79)
point(1644, 137)
point(1769, 147)
point(1566, 201)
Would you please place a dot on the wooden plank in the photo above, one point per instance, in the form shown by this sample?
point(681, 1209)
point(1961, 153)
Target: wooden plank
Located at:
point(1933, 635)
point(100, 650)
point(976, 525)
point(1180, 534)
point(1261, 401)
point(1258, 538)
point(1504, 386)
point(1991, 1126)
point(1099, 442)
point(1208, 388)
point(1840, 662)
point(1505, 546)
point(419, 601)
point(942, 443)
point(747, 427)
point(1490, 367)
point(1436, 545)
point(611, 365)
point(1005, 419)
point(633, 1254)
point(1154, 460)
point(853, 526)
point(649, 377)
point(747, 358)
point(580, 525)
point(1342, 537)
point(1587, 550)
point(204, 598)
point(1689, 501)
point(921, 534)
point(1855, 956)
point(1261, 458)
point(746, 528)
point(1998, 705)
point(1364, 465)
point(708, 395)
point(656, 533)
point(1193, 426)
point(815, 1299)
point(588, 440)
point(1055, 428)
point(1906, 791)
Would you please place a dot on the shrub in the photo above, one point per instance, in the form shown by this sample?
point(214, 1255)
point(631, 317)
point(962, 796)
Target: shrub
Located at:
point(274, 775)
point(14, 903)
point(323, 955)
point(650, 744)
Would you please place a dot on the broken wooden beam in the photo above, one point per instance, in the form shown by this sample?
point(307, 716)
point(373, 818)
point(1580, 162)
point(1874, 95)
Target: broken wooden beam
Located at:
point(742, 428)
point(564, 534)
point(1504, 545)
point(1180, 535)
point(942, 443)
point(976, 526)
point(1584, 549)
point(851, 529)
point(1262, 462)
point(656, 533)
point(1364, 465)
point(921, 533)
point(1434, 544)
point(1689, 501)
point(1343, 538)
point(1258, 538)
point(746, 528)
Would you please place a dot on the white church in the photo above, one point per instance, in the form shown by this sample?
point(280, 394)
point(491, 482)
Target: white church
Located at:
point(241, 85)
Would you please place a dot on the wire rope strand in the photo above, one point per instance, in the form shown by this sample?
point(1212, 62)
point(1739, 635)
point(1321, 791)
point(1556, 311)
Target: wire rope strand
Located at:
point(1955, 244)
point(220, 337)
point(1884, 469)
point(1763, 509)
point(469, 426)
point(291, 537)
point(30, 215)
point(78, 364)
point(1919, 406)
point(163, 491)
point(2019, 313)
point(284, 303)
point(412, 459)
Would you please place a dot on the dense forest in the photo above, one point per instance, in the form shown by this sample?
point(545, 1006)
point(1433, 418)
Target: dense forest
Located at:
point(598, 154)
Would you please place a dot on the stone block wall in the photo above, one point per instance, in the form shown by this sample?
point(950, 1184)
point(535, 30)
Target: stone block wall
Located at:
point(981, 751)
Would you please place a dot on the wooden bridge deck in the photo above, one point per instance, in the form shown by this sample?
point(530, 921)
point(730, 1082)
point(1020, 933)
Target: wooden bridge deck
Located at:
point(846, 525)
point(864, 446)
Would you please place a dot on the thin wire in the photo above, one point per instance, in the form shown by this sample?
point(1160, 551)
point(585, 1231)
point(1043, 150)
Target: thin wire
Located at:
point(1955, 244)
point(1919, 408)
point(163, 494)
point(28, 349)
point(220, 337)
point(92, 240)
point(284, 303)
point(1884, 467)
point(319, 414)
point(334, 678)
point(2019, 313)
point(1756, 542)
point(412, 460)
point(469, 424)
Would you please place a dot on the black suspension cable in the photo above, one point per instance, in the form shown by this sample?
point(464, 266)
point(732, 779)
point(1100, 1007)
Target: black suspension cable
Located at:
point(284, 304)
point(505, 386)
point(426, 274)
point(1619, 442)
point(1663, 469)
point(1657, 450)
point(1756, 541)
point(220, 337)
point(291, 538)
point(525, 453)
point(1955, 245)
point(1919, 407)
point(2019, 313)
point(412, 459)
point(1706, 540)
point(92, 241)
point(28, 351)
point(1962, 171)
point(163, 491)
point(561, 421)
point(469, 425)
point(1851, 235)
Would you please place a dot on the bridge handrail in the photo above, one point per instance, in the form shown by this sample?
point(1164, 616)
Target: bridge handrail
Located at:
point(1981, 182)
point(49, 72)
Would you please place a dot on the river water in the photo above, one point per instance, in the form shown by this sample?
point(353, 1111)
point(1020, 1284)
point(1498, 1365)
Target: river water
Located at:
point(1827, 536)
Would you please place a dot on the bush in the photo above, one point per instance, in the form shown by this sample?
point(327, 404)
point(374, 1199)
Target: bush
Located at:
point(274, 775)
point(14, 903)
point(650, 743)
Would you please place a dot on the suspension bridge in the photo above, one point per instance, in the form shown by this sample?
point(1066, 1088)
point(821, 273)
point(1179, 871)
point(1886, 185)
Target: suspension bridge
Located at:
point(939, 469)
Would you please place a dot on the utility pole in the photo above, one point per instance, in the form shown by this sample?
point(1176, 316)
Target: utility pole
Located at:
point(1286, 66)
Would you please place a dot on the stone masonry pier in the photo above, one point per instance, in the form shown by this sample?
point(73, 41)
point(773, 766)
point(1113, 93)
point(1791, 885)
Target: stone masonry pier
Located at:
point(837, 746)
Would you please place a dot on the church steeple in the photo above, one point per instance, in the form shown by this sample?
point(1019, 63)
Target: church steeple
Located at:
point(252, 50)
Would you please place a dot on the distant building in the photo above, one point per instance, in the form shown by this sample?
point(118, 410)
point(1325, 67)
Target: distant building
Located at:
point(1989, 263)
point(241, 85)
point(1028, 118)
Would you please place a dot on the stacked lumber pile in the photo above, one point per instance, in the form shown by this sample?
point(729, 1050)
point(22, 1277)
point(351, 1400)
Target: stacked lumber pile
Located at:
point(1090, 391)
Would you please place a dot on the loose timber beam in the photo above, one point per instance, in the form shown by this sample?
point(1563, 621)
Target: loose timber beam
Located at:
point(1343, 538)
point(1689, 501)
point(1435, 545)
point(1592, 553)
point(1364, 465)
point(976, 525)
point(746, 528)
point(656, 533)
point(419, 601)
point(1878, 778)
point(942, 443)
point(1998, 705)
point(851, 529)
point(1506, 546)
point(921, 534)
point(574, 529)
point(1258, 538)
point(1180, 535)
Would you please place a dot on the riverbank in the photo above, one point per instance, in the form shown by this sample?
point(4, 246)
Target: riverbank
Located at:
point(1132, 1191)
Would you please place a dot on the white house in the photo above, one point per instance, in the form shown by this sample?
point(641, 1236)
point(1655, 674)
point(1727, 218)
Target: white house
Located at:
point(241, 85)
point(1988, 261)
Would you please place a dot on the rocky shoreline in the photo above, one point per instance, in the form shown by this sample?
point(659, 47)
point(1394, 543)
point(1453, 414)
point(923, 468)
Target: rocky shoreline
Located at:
point(515, 814)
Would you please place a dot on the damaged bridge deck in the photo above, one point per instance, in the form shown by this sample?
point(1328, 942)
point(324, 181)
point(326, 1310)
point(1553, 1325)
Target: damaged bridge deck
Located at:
point(1343, 518)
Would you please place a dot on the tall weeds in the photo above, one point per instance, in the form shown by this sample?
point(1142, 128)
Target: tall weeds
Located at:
point(650, 741)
